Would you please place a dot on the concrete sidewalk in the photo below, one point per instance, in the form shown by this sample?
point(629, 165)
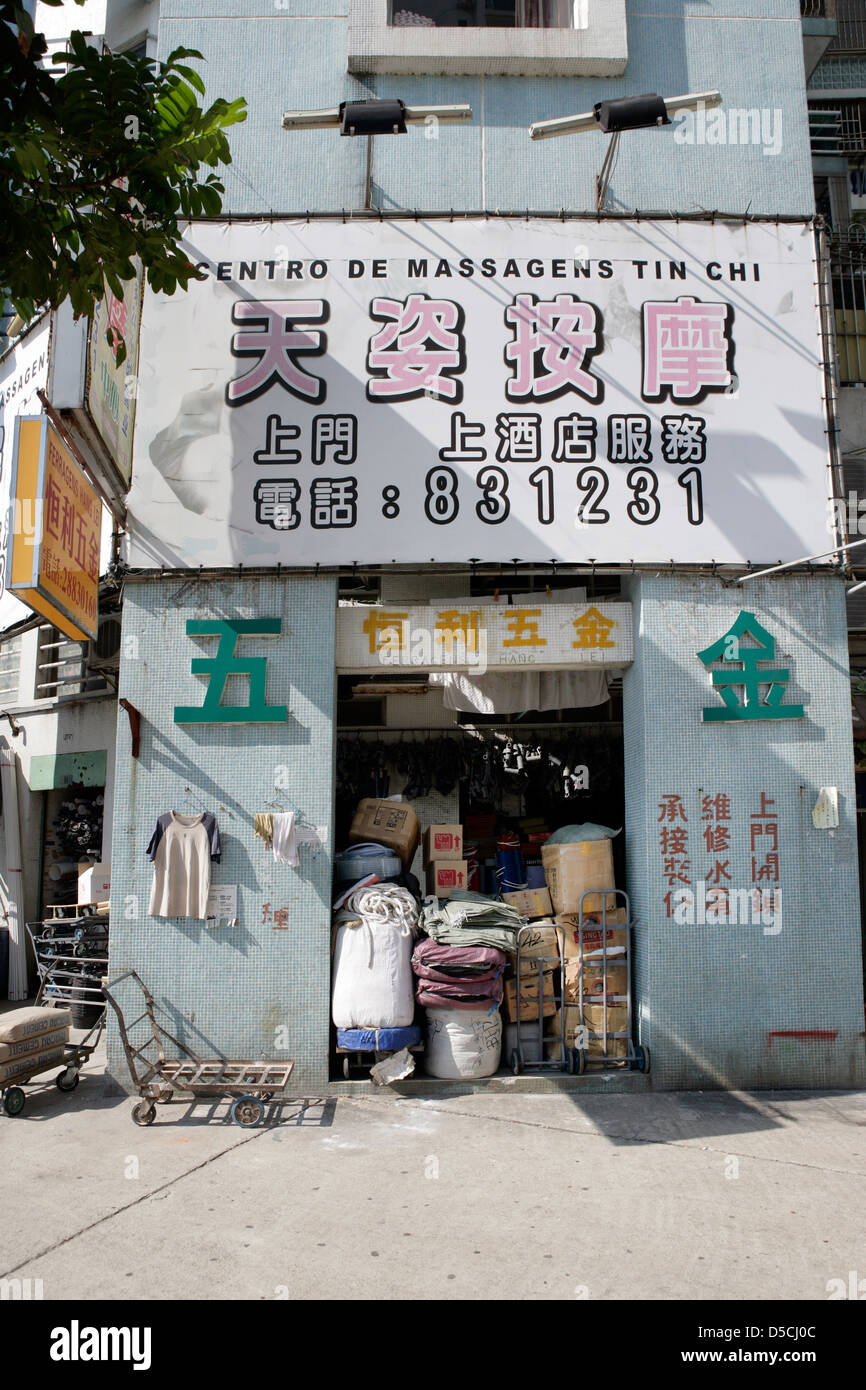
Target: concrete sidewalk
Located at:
point(666, 1196)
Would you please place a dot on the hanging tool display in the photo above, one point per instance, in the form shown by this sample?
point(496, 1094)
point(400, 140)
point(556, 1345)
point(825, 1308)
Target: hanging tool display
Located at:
point(78, 825)
point(566, 767)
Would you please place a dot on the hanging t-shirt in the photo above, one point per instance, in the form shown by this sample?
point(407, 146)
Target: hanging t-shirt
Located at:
point(181, 849)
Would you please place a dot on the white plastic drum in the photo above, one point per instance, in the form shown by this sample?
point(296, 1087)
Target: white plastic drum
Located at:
point(463, 1043)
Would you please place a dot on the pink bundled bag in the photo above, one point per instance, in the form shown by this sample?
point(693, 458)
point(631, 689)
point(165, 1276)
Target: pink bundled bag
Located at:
point(433, 961)
point(457, 977)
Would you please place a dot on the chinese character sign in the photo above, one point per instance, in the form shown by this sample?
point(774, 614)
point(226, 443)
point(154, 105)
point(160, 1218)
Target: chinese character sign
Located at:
point(539, 389)
point(23, 372)
point(71, 524)
point(484, 637)
point(729, 874)
point(53, 564)
point(748, 682)
point(226, 662)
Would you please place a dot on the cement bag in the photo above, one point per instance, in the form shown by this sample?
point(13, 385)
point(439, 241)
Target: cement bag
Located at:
point(26, 1047)
point(373, 986)
point(462, 1045)
point(26, 1066)
point(29, 1022)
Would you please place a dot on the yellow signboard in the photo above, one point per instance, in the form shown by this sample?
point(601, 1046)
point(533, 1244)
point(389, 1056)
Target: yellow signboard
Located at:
point(55, 525)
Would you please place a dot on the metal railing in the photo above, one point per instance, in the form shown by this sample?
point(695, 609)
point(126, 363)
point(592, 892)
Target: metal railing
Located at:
point(10, 662)
point(62, 669)
point(848, 274)
point(850, 26)
point(837, 129)
point(817, 9)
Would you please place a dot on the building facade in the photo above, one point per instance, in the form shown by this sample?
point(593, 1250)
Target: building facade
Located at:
point(757, 803)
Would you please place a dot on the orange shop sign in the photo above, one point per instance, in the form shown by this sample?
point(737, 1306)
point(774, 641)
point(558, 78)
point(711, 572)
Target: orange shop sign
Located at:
point(55, 524)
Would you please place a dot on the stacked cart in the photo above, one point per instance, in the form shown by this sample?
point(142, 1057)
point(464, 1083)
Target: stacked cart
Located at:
point(71, 948)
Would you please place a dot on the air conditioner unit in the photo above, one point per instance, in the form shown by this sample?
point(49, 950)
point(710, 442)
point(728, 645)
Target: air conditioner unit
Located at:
point(104, 653)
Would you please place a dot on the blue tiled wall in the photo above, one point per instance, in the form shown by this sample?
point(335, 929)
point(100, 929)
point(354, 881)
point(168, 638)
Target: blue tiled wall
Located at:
point(295, 57)
point(229, 990)
point(712, 996)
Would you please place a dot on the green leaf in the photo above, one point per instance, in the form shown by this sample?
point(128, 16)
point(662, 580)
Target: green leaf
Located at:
point(67, 226)
point(192, 77)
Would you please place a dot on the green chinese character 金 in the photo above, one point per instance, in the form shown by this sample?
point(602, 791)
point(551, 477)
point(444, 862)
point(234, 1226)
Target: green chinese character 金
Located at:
point(746, 668)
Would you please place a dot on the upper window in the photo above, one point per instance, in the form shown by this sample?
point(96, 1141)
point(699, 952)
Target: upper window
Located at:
point(544, 38)
point(490, 14)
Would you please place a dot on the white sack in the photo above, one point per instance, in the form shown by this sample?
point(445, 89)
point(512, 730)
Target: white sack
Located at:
point(373, 986)
point(463, 1043)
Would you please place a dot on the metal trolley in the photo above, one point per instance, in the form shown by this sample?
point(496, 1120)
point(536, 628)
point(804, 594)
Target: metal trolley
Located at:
point(71, 949)
point(249, 1085)
point(75, 1055)
point(631, 1057)
point(566, 1061)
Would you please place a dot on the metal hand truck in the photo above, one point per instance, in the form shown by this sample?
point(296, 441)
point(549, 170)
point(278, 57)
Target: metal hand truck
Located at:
point(249, 1085)
point(566, 1060)
point(633, 1058)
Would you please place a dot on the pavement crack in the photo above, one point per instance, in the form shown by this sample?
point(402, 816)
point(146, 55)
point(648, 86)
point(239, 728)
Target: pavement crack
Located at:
point(128, 1206)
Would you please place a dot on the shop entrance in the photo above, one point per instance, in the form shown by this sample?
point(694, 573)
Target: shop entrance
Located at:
point(506, 779)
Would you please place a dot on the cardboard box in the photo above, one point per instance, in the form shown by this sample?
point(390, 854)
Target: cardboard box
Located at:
point(540, 940)
point(442, 842)
point(94, 883)
point(529, 997)
point(531, 902)
point(572, 1025)
point(578, 1035)
point(615, 917)
point(391, 823)
point(617, 1022)
point(572, 870)
point(594, 979)
point(592, 937)
point(444, 875)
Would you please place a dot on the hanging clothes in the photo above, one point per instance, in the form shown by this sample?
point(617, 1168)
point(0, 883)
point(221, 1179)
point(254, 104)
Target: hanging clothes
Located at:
point(285, 842)
point(181, 850)
point(264, 827)
point(513, 692)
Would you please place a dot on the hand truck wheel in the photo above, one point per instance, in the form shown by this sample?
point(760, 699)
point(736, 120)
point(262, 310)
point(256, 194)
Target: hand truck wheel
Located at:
point(580, 1057)
point(347, 1070)
point(247, 1111)
point(67, 1079)
point(144, 1113)
point(515, 1064)
point(570, 1062)
point(642, 1057)
point(13, 1101)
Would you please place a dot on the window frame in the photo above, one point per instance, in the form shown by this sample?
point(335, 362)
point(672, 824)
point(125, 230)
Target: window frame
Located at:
point(377, 46)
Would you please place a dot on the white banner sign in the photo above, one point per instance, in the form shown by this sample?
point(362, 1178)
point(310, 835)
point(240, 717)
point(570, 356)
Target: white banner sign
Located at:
point(486, 637)
point(442, 391)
